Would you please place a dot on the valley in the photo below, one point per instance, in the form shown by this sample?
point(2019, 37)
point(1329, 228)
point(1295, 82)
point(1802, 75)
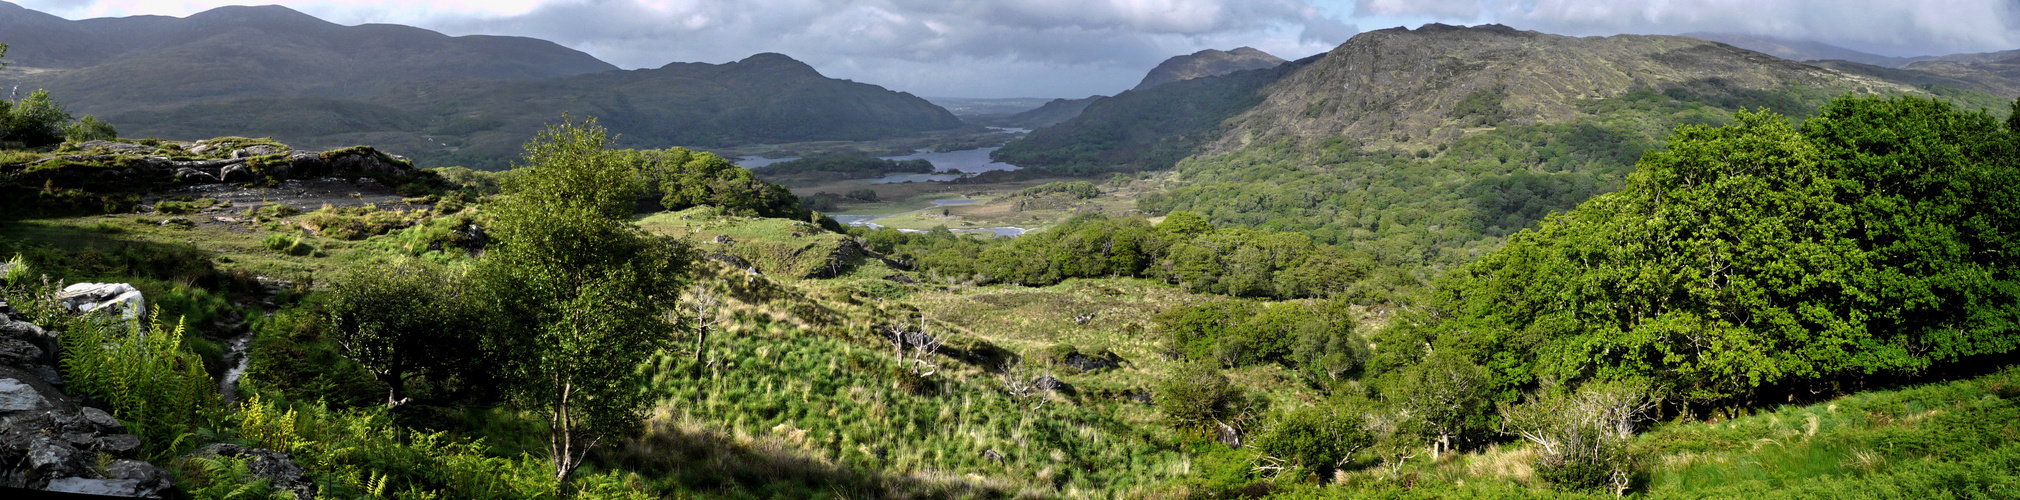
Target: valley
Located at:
point(1440, 262)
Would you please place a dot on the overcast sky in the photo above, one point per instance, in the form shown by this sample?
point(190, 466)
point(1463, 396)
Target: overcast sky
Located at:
point(1075, 48)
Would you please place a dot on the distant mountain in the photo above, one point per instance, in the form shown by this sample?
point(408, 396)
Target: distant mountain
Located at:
point(1800, 50)
point(1208, 62)
point(1144, 129)
point(1052, 113)
point(969, 106)
point(470, 100)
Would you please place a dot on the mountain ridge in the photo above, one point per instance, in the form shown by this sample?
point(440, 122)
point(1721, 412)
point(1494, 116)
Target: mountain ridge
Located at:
point(1209, 62)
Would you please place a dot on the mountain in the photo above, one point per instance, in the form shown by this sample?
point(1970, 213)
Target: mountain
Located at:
point(103, 66)
point(971, 106)
point(1802, 50)
point(1422, 148)
point(1207, 62)
point(1051, 113)
point(442, 100)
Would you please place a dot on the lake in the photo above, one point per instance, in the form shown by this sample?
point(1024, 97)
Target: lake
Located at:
point(972, 161)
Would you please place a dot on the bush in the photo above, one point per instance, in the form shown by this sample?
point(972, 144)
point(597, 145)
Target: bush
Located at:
point(1318, 438)
point(1583, 437)
point(1196, 396)
point(290, 244)
point(89, 128)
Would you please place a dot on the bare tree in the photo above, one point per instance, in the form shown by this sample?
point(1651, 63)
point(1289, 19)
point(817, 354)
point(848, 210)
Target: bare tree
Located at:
point(915, 347)
point(1021, 386)
point(704, 300)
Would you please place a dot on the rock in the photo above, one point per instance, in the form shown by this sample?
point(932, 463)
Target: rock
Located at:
point(19, 352)
point(900, 278)
point(125, 478)
point(1227, 435)
point(1087, 363)
point(49, 374)
point(87, 297)
point(236, 173)
point(277, 467)
point(252, 151)
point(51, 456)
point(187, 174)
point(117, 147)
point(119, 445)
point(18, 396)
point(103, 420)
point(1049, 383)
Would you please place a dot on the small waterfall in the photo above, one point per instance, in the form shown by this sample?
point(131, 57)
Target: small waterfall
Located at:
point(238, 358)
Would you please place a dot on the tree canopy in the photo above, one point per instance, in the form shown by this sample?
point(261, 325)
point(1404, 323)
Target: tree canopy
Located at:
point(1876, 239)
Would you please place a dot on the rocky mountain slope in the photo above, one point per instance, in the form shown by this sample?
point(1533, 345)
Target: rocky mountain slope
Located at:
point(472, 100)
point(1437, 83)
point(1209, 62)
point(1052, 113)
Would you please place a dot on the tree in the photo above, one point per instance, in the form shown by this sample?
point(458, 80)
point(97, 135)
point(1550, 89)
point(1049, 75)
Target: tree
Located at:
point(406, 321)
point(36, 120)
point(1444, 397)
point(89, 128)
point(1319, 438)
point(1197, 396)
point(585, 295)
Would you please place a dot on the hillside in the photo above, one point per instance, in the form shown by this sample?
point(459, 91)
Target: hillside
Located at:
point(1209, 62)
point(1051, 113)
point(1801, 50)
point(443, 100)
point(109, 66)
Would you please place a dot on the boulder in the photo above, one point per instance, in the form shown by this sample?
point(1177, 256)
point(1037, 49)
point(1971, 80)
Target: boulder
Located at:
point(236, 173)
point(187, 174)
point(257, 150)
point(16, 395)
point(19, 352)
point(276, 467)
point(88, 297)
point(124, 478)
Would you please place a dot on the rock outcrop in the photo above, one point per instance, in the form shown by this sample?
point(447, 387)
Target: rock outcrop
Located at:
point(118, 164)
point(90, 297)
point(51, 442)
point(277, 468)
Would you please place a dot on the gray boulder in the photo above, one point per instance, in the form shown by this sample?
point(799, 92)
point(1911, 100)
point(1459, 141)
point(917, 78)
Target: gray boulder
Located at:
point(124, 478)
point(116, 147)
point(18, 396)
point(113, 297)
point(258, 150)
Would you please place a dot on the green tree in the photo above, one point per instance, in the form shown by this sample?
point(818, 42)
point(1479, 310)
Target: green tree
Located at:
point(584, 295)
point(1445, 397)
point(1319, 438)
point(89, 128)
point(36, 120)
point(403, 322)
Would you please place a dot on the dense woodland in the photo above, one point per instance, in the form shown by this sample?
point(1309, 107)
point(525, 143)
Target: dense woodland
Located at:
point(1630, 303)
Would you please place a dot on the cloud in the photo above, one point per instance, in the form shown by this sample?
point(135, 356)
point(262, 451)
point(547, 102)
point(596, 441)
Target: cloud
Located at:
point(1892, 27)
point(1048, 48)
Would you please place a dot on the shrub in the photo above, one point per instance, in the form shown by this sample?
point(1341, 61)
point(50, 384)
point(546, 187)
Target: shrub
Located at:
point(1583, 437)
point(1318, 438)
point(290, 244)
point(1197, 396)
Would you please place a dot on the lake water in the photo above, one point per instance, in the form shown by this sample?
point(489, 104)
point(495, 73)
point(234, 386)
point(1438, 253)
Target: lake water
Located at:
point(869, 221)
point(973, 161)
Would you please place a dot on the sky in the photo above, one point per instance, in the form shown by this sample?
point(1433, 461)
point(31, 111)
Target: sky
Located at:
point(1076, 48)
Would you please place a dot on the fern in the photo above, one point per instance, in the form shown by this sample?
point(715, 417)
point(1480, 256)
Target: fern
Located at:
point(153, 384)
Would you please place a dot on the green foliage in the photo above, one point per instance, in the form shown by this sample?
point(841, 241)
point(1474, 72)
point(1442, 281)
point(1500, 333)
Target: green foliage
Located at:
point(152, 382)
point(89, 128)
point(845, 166)
point(1318, 438)
point(865, 195)
point(290, 244)
point(678, 179)
point(1445, 397)
point(1482, 108)
point(36, 120)
point(1196, 396)
point(1076, 189)
point(1584, 437)
point(578, 291)
point(1758, 256)
point(405, 321)
point(1182, 250)
point(222, 478)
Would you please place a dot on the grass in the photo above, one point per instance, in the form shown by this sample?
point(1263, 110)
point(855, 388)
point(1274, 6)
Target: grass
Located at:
point(780, 247)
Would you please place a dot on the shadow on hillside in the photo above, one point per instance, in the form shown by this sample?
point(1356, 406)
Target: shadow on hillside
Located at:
point(688, 457)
